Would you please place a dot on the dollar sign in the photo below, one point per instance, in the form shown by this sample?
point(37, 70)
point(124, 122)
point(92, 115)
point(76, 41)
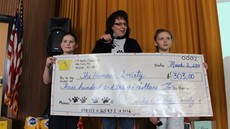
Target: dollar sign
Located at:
point(168, 76)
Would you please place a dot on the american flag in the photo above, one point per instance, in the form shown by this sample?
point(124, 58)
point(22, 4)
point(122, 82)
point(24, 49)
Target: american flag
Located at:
point(15, 59)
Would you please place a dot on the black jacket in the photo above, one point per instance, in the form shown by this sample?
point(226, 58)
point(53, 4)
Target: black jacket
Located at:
point(130, 46)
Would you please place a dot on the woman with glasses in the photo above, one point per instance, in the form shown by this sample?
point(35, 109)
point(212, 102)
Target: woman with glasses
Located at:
point(116, 40)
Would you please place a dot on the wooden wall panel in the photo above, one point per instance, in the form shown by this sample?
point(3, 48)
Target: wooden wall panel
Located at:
point(8, 7)
point(4, 36)
point(33, 94)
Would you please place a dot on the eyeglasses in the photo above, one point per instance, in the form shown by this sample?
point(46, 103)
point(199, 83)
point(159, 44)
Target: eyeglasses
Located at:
point(120, 24)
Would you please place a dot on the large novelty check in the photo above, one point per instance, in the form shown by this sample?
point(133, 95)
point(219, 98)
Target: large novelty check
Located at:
point(130, 85)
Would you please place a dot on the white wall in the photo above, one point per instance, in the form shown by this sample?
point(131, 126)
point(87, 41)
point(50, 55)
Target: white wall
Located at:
point(219, 1)
point(227, 84)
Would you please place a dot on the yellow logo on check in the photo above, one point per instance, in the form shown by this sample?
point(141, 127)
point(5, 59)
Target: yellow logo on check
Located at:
point(64, 64)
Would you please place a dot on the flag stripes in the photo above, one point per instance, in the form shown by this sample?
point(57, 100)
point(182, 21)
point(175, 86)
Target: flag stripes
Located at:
point(15, 59)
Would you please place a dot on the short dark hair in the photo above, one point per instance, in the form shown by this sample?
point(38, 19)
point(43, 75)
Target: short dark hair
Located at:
point(111, 20)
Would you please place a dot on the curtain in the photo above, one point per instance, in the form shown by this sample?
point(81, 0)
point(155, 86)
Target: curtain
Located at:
point(194, 24)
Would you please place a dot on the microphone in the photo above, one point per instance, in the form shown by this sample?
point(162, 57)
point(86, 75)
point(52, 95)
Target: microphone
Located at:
point(114, 36)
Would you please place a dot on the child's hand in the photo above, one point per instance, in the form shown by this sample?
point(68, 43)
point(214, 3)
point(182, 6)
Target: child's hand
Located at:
point(154, 120)
point(50, 61)
point(205, 65)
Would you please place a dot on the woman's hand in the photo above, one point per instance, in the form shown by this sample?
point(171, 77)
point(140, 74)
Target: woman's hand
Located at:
point(107, 38)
